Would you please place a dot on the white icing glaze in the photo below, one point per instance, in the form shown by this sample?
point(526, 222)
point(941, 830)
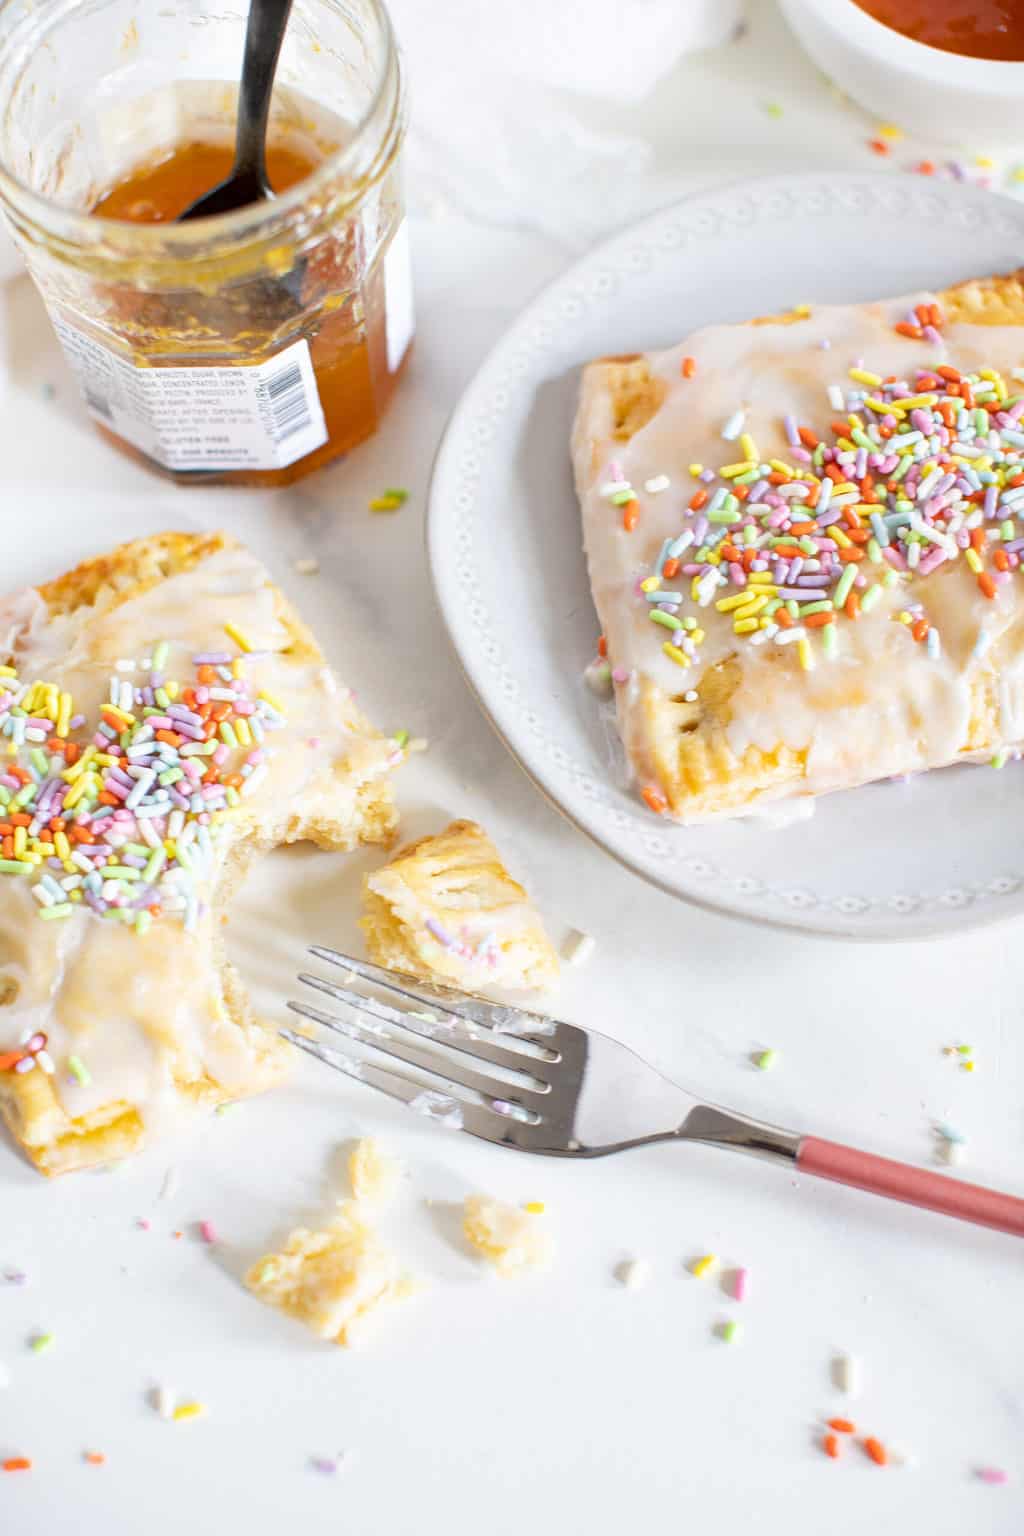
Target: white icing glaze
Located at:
point(139, 1009)
point(882, 706)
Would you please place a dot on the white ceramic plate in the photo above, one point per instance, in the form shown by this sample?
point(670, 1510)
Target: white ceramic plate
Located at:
point(941, 853)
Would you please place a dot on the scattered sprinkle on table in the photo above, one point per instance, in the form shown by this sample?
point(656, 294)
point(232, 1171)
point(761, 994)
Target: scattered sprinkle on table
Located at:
point(39, 1343)
point(843, 1426)
point(773, 109)
point(94, 1458)
point(328, 1465)
point(535, 1207)
point(994, 1475)
point(766, 1059)
point(142, 1224)
point(634, 1273)
point(876, 1450)
point(389, 500)
point(15, 1276)
point(16, 1464)
point(163, 1401)
point(740, 1284)
point(729, 1332)
point(831, 1445)
point(846, 1373)
point(702, 1266)
point(207, 1232)
point(578, 947)
point(188, 1411)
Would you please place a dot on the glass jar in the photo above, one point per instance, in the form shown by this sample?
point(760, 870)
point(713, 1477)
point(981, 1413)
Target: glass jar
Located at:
point(250, 347)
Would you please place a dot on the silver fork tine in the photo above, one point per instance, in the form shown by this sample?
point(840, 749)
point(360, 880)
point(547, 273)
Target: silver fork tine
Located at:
point(486, 1123)
point(399, 1087)
point(449, 1032)
point(425, 1061)
point(472, 1010)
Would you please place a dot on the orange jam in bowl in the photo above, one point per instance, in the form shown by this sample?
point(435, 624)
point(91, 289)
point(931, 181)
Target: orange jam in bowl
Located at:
point(976, 29)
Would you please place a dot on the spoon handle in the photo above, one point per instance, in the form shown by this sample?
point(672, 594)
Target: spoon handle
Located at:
point(268, 21)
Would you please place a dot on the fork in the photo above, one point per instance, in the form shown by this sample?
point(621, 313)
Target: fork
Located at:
point(574, 1092)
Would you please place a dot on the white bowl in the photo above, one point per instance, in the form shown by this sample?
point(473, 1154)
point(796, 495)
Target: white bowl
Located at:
point(941, 96)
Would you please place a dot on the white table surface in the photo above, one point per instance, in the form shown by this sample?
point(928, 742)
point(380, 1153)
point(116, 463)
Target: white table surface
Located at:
point(562, 1403)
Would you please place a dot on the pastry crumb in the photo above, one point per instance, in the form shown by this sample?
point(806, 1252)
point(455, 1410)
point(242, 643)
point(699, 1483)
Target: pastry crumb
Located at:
point(307, 567)
point(374, 1176)
point(512, 1239)
point(446, 909)
point(331, 1280)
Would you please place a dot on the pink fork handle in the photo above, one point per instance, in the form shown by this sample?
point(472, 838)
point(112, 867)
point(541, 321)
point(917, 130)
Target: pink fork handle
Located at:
point(914, 1186)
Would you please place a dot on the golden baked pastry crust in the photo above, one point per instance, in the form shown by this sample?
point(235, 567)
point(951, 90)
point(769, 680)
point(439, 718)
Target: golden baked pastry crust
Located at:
point(512, 1238)
point(332, 1279)
point(685, 746)
point(446, 909)
point(31, 1102)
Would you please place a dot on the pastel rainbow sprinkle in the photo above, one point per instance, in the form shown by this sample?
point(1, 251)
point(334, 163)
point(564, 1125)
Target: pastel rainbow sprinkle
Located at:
point(123, 817)
point(916, 473)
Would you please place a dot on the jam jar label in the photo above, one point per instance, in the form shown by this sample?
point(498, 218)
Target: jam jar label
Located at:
point(248, 416)
point(398, 309)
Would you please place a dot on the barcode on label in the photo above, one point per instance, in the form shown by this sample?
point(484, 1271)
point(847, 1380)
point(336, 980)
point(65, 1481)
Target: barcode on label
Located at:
point(263, 415)
point(289, 408)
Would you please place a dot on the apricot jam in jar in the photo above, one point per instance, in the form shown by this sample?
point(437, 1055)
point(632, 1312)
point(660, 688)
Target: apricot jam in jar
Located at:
point(251, 347)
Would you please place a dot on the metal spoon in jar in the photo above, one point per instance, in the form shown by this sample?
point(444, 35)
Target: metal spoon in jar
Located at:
point(247, 183)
